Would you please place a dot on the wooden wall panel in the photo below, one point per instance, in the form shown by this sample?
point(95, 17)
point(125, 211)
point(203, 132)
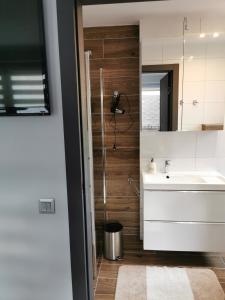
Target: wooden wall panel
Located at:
point(129, 140)
point(116, 50)
point(133, 99)
point(130, 86)
point(111, 32)
point(124, 122)
point(96, 48)
point(121, 48)
point(115, 67)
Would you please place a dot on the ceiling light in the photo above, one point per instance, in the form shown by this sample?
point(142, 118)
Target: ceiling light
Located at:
point(215, 34)
point(202, 35)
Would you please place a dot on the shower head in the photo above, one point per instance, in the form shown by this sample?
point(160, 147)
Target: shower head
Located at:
point(115, 109)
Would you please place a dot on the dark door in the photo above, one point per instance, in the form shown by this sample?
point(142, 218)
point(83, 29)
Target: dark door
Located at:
point(165, 103)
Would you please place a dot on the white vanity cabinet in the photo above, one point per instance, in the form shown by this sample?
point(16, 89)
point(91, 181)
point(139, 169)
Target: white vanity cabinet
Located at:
point(184, 220)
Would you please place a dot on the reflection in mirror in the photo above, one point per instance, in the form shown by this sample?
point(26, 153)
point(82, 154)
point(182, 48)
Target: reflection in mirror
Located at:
point(196, 44)
point(160, 97)
point(203, 74)
point(151, 100)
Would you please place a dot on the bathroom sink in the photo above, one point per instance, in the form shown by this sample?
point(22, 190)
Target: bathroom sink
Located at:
point(176, 178)
point(184, 181)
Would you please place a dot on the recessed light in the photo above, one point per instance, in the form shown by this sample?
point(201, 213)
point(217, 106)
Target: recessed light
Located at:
point(215, 34)
point(202, 35)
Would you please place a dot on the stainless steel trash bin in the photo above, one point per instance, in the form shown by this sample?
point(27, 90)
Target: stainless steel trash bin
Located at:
point(113, 241)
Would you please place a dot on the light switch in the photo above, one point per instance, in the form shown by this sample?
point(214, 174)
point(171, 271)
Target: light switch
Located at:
point(47, 206)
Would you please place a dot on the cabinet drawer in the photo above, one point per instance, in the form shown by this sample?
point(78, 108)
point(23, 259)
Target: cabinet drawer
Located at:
point(173, 236)
point(197, 206)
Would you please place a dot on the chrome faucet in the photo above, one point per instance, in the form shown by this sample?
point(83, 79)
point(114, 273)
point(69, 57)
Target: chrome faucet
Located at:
point(167, 164)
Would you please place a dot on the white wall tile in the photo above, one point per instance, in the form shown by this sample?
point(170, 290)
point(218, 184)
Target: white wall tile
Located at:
point(215, 69)
point(206, 164)
point(147, 61)
point(220, 165)
point(194, 70)
point(195, 47)
point(221, 144)
point(168, 144)
point(194, 24)
point(172, 145)
point(214, 112)
point(191, 127)
point(152, 50)
point(193, 114)
point(215, 48)
point(214, 91)
point(173, 48)
point(214, 23)
point(206, 144)
point(194, 91)
point(160, 26)
point(150, 144)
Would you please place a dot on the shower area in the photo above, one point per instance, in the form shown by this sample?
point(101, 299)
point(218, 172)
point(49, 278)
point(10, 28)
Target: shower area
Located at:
point(112, 76)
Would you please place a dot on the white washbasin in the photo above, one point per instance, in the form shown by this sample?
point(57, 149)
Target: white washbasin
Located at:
point(184, 181)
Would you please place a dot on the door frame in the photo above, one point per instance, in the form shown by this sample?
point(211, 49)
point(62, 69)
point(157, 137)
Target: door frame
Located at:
point(69, 28)
point(70, 37)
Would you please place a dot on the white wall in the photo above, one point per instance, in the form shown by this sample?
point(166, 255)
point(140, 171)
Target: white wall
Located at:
point(34, 248)
point(188, 151)
point(204, 63)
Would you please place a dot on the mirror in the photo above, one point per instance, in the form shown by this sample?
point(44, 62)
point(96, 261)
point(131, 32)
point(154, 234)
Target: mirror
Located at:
point(183, 73)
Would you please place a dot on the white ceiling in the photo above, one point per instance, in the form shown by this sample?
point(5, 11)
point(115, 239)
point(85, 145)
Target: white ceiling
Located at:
point(131, 13)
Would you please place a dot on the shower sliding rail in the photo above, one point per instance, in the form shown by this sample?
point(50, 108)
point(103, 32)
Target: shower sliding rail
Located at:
point(103, 141)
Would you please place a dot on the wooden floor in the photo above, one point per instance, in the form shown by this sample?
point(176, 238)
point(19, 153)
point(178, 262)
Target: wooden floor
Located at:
point(107, 276)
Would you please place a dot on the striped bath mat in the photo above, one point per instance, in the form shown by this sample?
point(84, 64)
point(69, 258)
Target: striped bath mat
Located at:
point(162, 283)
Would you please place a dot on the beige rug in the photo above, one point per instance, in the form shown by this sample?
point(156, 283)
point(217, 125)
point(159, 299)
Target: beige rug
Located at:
point(162, 283)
